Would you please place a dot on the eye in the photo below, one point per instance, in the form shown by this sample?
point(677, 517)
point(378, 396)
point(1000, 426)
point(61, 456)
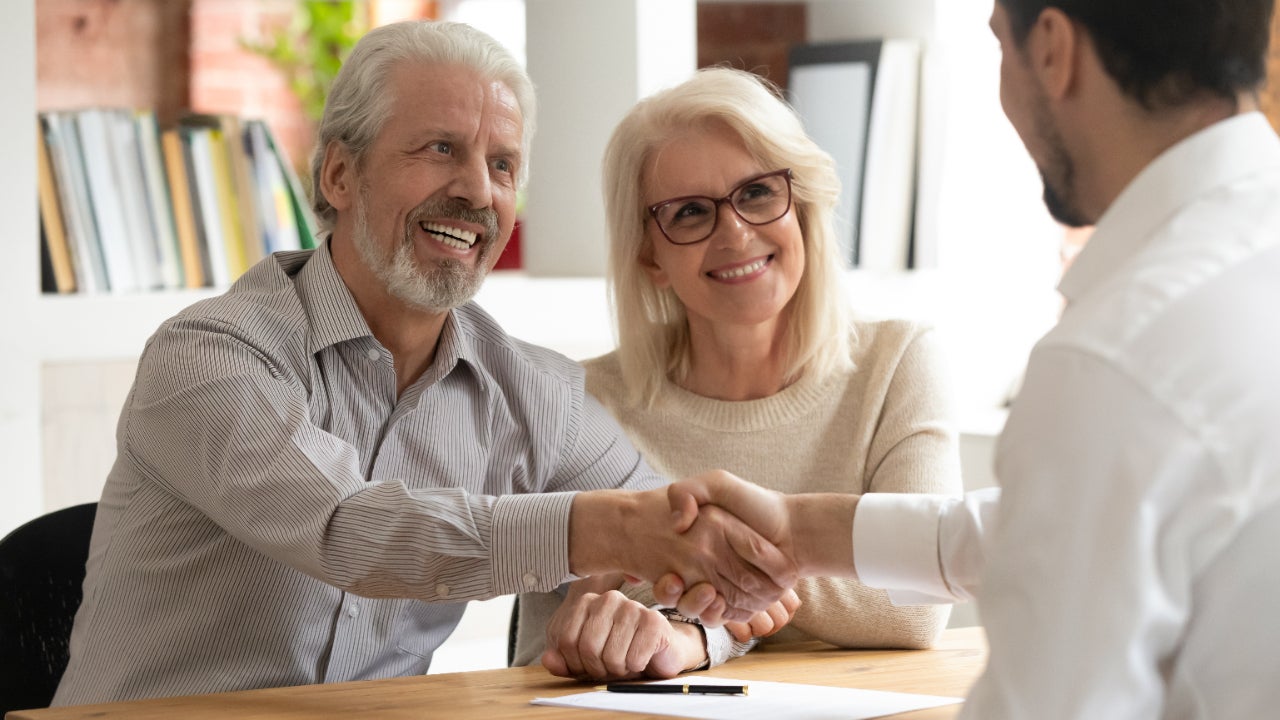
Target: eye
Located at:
point(504, 166)
point(443, 147)
point(689, 211)
point(755, 191)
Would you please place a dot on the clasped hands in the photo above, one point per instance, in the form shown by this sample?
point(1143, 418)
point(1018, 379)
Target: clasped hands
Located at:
point(727, 553)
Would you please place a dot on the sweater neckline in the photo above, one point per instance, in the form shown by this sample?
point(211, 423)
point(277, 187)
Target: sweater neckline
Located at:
point(785, 406)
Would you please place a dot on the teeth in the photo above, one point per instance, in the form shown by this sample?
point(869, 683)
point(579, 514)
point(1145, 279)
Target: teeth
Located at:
point(739, 272)
point(450, 236)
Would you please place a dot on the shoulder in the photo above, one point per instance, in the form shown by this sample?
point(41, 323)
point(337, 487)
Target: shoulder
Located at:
point(604, 378)
point(262, 307)
point(502, 354)
point(874, 340)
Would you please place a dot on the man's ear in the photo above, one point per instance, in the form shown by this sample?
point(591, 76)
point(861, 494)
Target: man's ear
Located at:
point(338, 176)
point(1054, 48)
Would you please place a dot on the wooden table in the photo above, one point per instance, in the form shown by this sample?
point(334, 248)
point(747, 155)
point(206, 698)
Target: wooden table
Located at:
point(948, 669)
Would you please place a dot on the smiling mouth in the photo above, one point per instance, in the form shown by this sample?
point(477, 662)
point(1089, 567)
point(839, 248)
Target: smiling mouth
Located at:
point(453, 237)
point(742, 271)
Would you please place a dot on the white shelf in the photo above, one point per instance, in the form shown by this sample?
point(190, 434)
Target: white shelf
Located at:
point(102, 327)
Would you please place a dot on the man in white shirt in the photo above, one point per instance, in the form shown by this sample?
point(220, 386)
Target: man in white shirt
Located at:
point(1129, 564)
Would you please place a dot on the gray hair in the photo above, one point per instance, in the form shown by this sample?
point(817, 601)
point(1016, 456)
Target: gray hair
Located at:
point(653, 329)
point(360, 99)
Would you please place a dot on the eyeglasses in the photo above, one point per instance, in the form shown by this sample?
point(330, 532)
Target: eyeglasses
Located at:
point(758, 201)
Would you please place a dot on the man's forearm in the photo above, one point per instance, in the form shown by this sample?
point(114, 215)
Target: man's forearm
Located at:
point(822, 533)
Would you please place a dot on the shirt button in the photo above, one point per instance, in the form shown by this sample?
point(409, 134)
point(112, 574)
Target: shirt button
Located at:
point(373, 354)
point(353, 611)
point(442, 590)
point(530, 580)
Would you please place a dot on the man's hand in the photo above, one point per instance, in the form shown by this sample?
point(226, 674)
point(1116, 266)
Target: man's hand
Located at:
point(634, 532)
point(814, 530)
point(608, 636)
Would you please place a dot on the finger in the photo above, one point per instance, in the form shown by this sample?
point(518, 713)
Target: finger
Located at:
point(714, 614)
point(696, 600)
point(791, 601)
point(651, 639)
point(606, 613)
point(554, 662)
point(668, 589)
point(763, 623)
point(740, 631)
point(564, 631)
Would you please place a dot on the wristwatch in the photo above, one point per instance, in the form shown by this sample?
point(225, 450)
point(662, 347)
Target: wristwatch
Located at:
point(674, 615)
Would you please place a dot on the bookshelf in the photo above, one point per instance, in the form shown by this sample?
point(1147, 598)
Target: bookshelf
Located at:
point(998, 250)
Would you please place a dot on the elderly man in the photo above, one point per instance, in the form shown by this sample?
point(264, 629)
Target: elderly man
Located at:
point(1130, 567)
point(320, 467)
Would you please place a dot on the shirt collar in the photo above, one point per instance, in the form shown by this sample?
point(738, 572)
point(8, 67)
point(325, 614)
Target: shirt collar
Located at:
point(1217, 155)
point(334, 318)
point(331, 311)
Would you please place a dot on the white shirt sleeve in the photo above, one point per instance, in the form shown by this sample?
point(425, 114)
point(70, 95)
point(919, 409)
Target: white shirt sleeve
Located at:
point(923, 549)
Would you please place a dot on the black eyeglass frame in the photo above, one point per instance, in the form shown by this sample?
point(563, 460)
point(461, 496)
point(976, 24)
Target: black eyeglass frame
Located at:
point(715, 220)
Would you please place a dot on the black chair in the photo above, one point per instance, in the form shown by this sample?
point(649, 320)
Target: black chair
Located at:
point(41, 573)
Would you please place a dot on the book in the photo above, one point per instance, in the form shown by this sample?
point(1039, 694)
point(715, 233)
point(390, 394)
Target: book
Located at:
point(63, 145)
point(105, 200)
point(275, 209)
point(244, 182)
point(51, 227)
point(859, 101)
point(198, 151)
point(158, 202)
point(195, 272)
point(126, 161)
point(301, 209)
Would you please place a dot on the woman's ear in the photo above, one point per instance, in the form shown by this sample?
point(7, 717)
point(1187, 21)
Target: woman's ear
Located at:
point(650, 265)
point(337, 176)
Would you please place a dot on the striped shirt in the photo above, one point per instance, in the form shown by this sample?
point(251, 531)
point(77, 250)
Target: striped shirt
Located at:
point(278, 516)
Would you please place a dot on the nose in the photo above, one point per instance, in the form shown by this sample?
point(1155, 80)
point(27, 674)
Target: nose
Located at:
point(471, 184)
point(730, 230)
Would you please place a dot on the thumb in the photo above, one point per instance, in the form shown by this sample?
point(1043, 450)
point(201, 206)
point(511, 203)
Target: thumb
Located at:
point(684, 506)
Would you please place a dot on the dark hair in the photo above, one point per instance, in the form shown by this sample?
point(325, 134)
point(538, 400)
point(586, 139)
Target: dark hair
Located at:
point(1163, 53)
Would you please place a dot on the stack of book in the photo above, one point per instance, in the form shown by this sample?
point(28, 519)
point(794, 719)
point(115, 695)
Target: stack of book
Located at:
point(128, 207)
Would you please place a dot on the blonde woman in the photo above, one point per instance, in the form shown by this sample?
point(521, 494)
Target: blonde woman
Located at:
point(737, 350)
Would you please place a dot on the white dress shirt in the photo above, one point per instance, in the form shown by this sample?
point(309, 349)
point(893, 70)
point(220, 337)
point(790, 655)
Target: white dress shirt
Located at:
point(1131, 567)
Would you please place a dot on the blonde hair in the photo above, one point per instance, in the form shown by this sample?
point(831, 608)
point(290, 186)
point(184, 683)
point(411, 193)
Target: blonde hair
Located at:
point(360, 100)
point(652, 327)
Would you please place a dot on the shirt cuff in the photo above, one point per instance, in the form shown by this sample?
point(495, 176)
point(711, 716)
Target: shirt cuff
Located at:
point(895, 546)
point(530, 542)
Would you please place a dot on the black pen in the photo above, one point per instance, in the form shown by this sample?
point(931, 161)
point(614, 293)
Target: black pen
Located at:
point(685, 689)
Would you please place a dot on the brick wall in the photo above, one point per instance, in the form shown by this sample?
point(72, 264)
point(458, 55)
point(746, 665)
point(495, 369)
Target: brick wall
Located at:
point(226, 78)
point(117, 53)
point(752, 36)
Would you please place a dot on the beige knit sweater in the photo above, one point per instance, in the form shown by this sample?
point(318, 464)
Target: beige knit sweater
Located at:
point(885, 425)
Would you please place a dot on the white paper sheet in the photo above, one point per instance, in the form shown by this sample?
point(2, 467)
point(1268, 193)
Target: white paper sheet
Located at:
point(765, 701)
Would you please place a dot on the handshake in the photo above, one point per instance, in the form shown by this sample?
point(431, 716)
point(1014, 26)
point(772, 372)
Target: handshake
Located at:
point(715, 547)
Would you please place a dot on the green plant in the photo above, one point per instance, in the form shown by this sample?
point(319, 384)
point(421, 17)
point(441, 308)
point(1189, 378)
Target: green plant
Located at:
point(313, 46)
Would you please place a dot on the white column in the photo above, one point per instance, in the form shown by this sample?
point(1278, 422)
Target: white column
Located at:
point(590, 60)
point(21, 487)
